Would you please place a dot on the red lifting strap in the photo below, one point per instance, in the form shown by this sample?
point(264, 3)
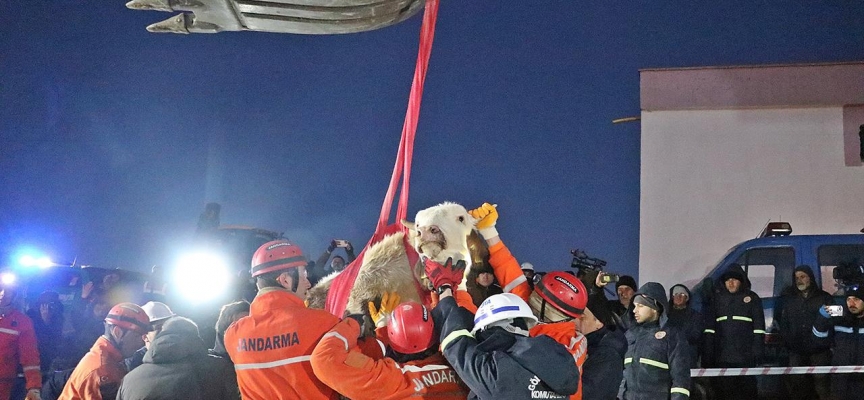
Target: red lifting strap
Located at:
point(337, 297)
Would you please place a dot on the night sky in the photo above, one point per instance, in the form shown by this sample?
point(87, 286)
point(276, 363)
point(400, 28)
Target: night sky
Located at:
point(113, 139)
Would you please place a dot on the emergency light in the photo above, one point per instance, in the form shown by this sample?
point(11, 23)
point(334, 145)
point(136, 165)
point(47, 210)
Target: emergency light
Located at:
point(776, 229)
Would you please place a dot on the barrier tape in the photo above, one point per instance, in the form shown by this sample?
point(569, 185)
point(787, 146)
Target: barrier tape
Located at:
point(709, 372)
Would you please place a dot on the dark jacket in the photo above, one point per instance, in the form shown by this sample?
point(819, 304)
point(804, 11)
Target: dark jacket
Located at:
point(176, 367)
point(690, 322)
point(847, 335)
point(795, 313)
point(604, 368)
point(734, 325)
point(657, 362)
point(501, 365)
point(224, 365)
point(49, 336)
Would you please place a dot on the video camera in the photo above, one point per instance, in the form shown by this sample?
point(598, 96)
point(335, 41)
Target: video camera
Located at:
point(584, 264)
point(847, 274)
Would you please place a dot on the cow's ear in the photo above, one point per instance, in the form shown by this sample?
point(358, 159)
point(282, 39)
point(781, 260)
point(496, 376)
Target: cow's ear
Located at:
point(408, 224)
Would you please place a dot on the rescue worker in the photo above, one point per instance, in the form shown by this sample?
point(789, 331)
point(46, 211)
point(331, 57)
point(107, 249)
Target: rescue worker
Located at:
point(846, 333)
point(158, 313)
point(492, 352)
point(734, 333)
point(795, 312)
point(99, 373)
point(413, 368)
point(686, 319)
point(507, 271)
point(558, 302)
point(272, 346)
point(177, 367)
point(602, 372)
point(17, 344)
point(657, 362)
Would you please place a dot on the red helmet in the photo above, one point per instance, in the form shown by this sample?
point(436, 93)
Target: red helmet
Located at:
point(411, 329)
point(275, 256)
point(563, 291)
point(129, 316)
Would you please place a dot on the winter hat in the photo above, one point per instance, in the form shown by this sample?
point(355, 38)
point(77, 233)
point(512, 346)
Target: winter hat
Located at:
point(626, 280)
point(651, 294)
point(855, 291)
point(680, 289)
point(733, 272)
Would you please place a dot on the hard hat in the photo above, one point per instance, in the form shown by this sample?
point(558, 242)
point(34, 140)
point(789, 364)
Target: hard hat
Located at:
point(157, 311)
point(276, 256)
point(502, 307)
point(411, 329)
point(526, 266)
point(129, 316)
point(563, 291)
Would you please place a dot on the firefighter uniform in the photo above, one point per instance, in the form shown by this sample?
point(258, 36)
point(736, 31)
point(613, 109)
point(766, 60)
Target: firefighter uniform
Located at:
point(507, 272)
point(847, 333)
point(340, 364)
point(271, 348)
point(565, 333)
point(657, 361)
point(17, 347)
point(97, 375)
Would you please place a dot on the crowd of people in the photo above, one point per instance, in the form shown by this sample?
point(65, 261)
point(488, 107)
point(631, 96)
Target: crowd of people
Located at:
point(500, 331)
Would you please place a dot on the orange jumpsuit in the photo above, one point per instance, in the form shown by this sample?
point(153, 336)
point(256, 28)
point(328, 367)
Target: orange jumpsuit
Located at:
point(97, 375)
point(566, 334)
point(508, 273)
point(17, 346)
point(339, 363)
point(271, 348)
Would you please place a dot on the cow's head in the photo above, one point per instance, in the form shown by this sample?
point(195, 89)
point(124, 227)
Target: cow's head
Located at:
point(441, 232)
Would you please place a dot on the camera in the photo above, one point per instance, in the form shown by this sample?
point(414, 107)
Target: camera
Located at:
point(849, 274)
point(583, 263)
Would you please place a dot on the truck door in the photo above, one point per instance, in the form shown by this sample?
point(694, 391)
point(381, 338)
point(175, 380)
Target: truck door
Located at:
point(769, 270)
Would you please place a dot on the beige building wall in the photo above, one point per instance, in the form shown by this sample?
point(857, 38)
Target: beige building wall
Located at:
point(720, 158)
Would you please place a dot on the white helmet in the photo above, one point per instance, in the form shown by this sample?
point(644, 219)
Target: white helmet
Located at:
point(157, 311)
point(526, 266)
point(501, 310)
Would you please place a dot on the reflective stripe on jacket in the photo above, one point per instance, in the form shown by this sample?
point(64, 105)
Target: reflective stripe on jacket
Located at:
point(734, 329)
point(271, 348)
point(97, 375)
point(340, 364)
point(657, 363)
point(18, 347)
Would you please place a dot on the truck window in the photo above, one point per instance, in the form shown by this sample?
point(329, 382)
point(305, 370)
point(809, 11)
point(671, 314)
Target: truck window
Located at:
point(830, 256)
point(768, 268)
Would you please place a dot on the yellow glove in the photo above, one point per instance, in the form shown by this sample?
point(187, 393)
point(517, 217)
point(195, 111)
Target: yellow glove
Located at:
point(381, 316)
point(486, 216)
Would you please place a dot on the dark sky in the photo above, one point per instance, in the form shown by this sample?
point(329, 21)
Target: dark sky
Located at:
point(112, 139)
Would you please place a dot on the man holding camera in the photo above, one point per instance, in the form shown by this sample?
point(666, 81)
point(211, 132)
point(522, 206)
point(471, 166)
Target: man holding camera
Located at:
point(845, 328)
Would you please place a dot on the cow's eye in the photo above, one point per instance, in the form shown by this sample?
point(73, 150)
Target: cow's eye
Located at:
point(461, 219)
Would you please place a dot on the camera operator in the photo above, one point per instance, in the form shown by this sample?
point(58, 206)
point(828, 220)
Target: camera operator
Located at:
point(844, 329)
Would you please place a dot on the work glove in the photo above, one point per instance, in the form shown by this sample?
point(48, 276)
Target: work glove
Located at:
point(33, 394)
point(486, 216)
point(381, 315)
point(446, 275)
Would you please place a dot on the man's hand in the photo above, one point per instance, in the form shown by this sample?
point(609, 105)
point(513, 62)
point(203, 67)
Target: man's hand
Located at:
point(446, 274)
point(486, 216)
point(381, 316)
point(33, 394)
point(87, 290)
point(599, 280)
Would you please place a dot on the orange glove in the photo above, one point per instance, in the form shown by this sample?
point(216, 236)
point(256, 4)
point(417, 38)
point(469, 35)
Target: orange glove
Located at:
point(486, 216)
